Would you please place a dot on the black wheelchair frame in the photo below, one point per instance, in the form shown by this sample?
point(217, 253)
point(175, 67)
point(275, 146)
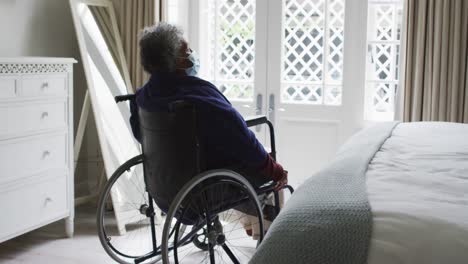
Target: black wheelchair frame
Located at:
point(149, 210)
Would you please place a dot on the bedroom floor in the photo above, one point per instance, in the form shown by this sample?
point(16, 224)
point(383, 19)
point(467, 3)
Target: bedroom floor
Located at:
point(49, 245)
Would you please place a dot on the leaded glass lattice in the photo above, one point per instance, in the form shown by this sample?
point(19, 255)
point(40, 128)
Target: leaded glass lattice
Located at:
point(384, 32)
point(312, 62)
point(232, 56)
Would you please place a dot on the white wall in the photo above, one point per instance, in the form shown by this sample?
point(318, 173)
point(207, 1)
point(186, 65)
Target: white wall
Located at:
point(36, 28)
point(45, 28)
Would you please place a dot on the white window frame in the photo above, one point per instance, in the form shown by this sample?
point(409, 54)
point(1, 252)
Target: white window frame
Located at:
point(370, 113)
point(196, 15)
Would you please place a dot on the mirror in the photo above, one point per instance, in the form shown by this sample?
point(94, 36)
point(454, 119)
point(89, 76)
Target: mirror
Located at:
point(107, 76)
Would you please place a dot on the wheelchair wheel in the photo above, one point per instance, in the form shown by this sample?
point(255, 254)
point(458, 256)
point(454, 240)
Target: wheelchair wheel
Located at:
point(138, 238)
point(219, 204)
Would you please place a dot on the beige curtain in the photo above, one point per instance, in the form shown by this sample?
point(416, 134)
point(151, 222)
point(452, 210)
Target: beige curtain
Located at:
point(132, 17)
point(102, 16)
point(435, 68)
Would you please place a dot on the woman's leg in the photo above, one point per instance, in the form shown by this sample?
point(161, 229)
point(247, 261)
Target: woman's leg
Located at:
point(249, 221)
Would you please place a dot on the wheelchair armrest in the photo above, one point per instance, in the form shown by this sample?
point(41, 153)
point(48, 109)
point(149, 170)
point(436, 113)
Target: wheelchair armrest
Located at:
point(256, 120)
point(259, 120)
point(122, 98)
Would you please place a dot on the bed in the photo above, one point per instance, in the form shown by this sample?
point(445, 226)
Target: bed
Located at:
point(395, 193)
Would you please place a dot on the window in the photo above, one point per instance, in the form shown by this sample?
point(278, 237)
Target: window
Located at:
point(383, 57)
point(231, 56)
point(312, 51)
point(312, 56)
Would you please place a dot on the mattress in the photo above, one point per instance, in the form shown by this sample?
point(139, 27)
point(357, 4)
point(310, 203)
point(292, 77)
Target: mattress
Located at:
point(417, 187)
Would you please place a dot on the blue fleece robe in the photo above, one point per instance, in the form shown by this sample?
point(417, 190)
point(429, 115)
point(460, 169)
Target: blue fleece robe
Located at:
point(227, 140)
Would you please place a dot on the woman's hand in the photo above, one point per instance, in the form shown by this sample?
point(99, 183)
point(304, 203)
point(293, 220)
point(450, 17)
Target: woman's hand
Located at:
point(281, 183)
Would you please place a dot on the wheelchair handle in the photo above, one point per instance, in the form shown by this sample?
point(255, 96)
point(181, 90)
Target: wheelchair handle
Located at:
point(122, 98)
point(259, 120)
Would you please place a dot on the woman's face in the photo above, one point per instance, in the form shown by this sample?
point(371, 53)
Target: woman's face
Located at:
point(182, 61)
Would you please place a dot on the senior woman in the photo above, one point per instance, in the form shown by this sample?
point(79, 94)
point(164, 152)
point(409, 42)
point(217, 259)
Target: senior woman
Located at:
point(228, 143)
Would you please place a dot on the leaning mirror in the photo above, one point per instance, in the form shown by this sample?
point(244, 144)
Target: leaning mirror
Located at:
point(107, 76)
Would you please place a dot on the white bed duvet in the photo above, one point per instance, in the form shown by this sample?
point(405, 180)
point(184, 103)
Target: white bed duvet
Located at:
point(418, 190)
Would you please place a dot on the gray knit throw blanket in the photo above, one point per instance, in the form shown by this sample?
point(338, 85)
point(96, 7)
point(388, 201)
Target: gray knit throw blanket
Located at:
point(328, 219)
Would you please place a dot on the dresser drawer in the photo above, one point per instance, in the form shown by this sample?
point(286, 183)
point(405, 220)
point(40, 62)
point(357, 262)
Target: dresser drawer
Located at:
point(43, 85)
point(25, 157)
point(17, 118)
point(32, 205)
point(8, 87)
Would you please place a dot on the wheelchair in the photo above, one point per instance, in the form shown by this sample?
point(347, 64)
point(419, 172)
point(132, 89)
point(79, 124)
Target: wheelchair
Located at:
point(209, 209)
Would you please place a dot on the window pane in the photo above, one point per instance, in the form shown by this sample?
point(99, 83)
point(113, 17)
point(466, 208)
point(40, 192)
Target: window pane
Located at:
point(312, 61)
point(383, 52)
point(232, 52)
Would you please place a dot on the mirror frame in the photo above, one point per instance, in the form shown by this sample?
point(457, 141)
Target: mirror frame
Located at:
point(87, 66)
point(91, 89)
point(115, 31)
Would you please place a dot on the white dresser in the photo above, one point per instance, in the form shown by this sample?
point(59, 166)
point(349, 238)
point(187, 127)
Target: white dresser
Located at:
point(36, 144)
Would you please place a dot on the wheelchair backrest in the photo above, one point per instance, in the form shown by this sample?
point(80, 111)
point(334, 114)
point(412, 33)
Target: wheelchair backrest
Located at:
point(171, 149)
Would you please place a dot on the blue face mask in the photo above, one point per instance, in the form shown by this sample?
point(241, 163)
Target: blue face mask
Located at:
point(193, 58)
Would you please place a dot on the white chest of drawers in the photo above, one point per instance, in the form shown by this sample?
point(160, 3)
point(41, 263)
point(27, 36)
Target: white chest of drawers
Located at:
point(36, 144)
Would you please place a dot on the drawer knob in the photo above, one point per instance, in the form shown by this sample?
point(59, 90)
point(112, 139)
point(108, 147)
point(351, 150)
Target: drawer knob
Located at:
point(45, 85)
point(48, 200)
point(45, 154)
point(44, 115)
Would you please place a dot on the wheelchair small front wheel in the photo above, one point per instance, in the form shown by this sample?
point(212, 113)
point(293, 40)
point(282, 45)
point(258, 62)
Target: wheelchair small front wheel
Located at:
point(224, 211)
point(200, 239)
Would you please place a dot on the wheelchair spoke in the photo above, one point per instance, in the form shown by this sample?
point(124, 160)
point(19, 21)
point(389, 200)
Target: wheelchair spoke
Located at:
point(205, 258)
point(129, 239)
point(239, 250)
point(229, 253)
point(222, 239)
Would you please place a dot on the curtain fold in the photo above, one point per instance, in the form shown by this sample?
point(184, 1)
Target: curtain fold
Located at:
point(103, 20)
point(132, 17)
point(436, 68)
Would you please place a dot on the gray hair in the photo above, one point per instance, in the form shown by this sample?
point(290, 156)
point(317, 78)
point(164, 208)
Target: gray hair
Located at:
point(159, 47)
